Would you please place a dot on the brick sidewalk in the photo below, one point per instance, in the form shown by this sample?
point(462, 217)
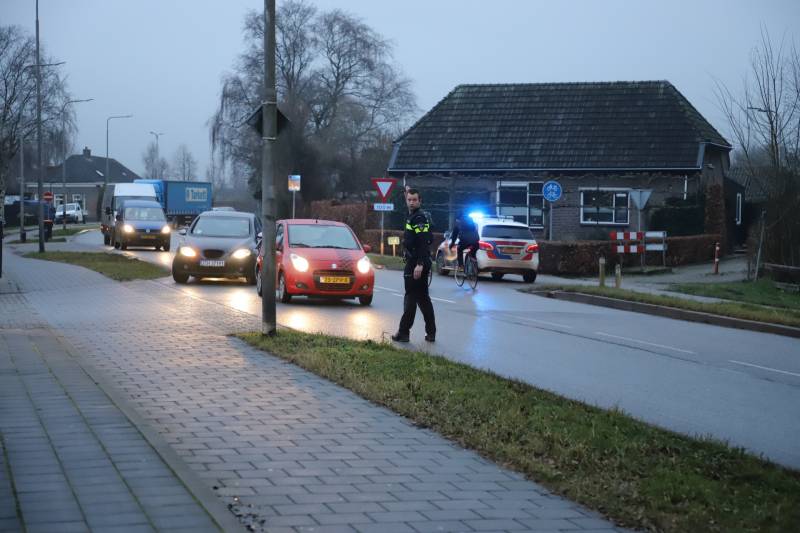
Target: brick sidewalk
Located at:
point(286, 449)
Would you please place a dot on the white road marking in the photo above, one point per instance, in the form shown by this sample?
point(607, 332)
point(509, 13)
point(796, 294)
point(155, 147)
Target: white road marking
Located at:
point(442, 300)
point(645, 342)
point(764, 368)
point(386, 288)
point(545, 322)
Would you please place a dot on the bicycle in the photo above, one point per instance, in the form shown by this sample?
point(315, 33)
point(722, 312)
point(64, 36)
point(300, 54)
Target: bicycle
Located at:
point(470, 272)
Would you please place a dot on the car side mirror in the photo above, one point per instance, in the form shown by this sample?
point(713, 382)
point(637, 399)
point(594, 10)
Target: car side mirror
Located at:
point(182, 231)
point(367, 248)
point(260, 235)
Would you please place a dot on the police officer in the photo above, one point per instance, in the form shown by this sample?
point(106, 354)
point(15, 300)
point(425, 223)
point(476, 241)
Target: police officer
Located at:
point(416, 251)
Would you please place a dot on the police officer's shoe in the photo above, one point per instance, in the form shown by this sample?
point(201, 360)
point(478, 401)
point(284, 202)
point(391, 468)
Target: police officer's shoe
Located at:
point(400, 337)
point(430, 337)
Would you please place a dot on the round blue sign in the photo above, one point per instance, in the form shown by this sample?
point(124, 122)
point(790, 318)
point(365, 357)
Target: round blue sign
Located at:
point(551, 191)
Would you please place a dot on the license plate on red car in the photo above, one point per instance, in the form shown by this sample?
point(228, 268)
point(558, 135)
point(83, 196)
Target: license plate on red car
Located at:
point(334, 279)
point(212, 263)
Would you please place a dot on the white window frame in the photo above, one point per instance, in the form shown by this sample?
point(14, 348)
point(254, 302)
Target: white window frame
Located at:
point(738, 209)
point(526, 186)
point(581, 190)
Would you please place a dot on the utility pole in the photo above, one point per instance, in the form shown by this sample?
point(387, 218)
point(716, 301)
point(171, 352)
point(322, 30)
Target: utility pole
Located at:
point(269, 134)
point(158, 160)
point(40, 170)
point(22, 236)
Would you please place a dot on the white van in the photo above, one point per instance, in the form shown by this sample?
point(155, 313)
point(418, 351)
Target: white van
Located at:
point(115, 194)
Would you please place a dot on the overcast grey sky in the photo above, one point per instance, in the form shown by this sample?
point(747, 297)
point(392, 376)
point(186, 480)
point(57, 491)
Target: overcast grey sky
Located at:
point(161, 60)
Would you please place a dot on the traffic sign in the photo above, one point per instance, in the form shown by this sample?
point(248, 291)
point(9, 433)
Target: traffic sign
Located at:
point(639, 197)
point(384, 186)
point(47, 196)
point(393, 240)
point(294, 182)
point(383, 207)
point(551, 191)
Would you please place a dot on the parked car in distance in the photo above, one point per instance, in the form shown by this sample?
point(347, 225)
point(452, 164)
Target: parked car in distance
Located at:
point(319, 258)
point(141, 223)
point(505, 247)
point(218, 244)
point(74, 213)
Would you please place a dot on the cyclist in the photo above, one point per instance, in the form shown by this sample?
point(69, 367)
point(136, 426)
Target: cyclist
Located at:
point(467, 231)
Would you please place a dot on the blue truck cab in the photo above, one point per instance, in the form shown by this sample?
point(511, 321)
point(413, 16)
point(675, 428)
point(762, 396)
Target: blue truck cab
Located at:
point(182, 200)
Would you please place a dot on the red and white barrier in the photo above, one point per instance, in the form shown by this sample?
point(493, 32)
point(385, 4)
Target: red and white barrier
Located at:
point(639, 242)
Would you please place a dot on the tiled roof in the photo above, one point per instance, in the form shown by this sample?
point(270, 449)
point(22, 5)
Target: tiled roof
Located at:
point(549, 126)
point(87, 167)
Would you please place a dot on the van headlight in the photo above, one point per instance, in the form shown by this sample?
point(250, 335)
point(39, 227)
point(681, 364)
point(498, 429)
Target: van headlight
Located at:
point(299, 263)
point(186, 251)
point(363, 265)
point(127, 228)
point(241, 253)
point(166, 229)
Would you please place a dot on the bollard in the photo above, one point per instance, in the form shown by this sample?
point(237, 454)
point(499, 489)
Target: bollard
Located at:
point(602, 268)
point(618, 276)
point(716, 259)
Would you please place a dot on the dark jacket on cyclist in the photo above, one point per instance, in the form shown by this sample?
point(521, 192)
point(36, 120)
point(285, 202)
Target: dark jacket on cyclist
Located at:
point(467, 232)
point(417, 239)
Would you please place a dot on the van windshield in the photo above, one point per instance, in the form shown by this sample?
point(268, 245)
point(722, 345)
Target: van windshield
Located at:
point(149, 214)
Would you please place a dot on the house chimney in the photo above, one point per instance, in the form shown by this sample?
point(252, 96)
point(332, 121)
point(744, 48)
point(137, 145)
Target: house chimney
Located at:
point(87, 153)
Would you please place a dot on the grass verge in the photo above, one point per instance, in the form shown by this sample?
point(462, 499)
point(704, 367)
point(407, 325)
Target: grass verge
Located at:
point(388, 262)
point(761, 292)
point(746, 311)
point(114, 266)
point(638, 475)
point(35, 240)
point(72, 230)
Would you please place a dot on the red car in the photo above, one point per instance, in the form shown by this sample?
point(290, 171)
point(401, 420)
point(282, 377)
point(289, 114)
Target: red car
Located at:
point(319, 258)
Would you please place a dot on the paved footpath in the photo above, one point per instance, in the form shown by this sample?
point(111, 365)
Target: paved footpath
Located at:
point(283, 448)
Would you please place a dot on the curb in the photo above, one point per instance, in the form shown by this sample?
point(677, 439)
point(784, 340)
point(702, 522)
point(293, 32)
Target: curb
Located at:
point(209, 501)
point(672, 312)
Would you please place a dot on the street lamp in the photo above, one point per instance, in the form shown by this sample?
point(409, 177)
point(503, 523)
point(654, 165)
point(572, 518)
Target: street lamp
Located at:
point(64, 164)
point(109, 119)
point(158, 164)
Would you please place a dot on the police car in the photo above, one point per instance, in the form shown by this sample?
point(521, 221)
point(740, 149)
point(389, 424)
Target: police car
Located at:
point(505, 247)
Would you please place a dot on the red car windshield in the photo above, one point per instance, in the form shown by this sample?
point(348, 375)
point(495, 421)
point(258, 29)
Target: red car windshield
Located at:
point(321, 236)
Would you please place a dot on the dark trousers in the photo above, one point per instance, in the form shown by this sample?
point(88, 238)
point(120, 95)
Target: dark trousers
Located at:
point(417, 296)
point(463, 246)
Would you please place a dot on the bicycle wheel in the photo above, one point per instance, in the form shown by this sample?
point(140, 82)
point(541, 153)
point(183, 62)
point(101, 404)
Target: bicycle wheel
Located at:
point(458, 274)
point(472, 272)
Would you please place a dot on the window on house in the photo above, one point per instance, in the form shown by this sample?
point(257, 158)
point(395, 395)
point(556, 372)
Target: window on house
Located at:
point(78, 199)
point(535, 205)
point(523, 201)
point(512, 201)
point(738, 209)
point(604, 207)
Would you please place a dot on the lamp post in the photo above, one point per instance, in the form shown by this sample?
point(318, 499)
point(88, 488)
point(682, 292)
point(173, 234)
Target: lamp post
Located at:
point(158, 163)
point(64, 164)
point(109, 119)
point(269, 109)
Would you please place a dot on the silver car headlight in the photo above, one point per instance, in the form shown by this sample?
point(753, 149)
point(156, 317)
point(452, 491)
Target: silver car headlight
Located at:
point(241, 253)
point(187, 251)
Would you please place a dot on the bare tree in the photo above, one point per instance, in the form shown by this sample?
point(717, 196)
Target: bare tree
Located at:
point(337, 84)
point(764, 118)
point(155, 166)
point(184, 164)
point(18, 102)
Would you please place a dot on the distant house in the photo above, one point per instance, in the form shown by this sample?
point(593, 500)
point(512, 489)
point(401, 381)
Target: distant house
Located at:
point(85, 176)
point(496, 145)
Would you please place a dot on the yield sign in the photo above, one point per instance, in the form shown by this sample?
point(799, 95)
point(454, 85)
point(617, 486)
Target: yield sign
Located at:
point(384, 186)
point(640, 197)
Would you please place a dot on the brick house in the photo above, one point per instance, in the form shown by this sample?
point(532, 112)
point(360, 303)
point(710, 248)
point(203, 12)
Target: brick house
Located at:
point(84, 180)
point(495, 146)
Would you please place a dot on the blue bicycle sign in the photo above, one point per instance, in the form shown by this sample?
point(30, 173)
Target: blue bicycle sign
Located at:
point(551, 191)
